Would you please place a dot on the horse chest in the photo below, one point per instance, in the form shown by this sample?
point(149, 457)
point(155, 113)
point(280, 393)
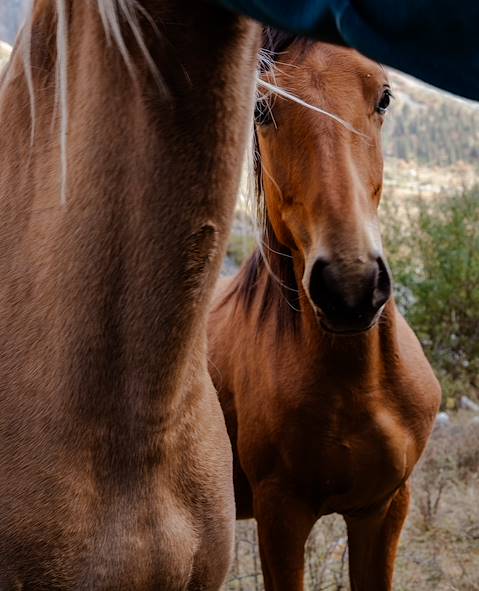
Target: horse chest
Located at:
point(343, 461)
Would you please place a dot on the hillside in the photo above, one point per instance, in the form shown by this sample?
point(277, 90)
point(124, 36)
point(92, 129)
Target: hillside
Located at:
point(430, 127)
point(431, 138)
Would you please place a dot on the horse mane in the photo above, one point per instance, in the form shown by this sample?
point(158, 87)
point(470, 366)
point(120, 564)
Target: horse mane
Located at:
point(280, 294)
point(271, 259)
point(114, 15)
point(276, 42)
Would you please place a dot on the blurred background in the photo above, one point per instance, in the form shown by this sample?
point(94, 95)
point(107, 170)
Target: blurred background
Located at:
point(430, 225)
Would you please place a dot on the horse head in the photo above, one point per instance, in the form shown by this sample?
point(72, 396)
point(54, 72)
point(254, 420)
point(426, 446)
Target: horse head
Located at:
point(322, 178)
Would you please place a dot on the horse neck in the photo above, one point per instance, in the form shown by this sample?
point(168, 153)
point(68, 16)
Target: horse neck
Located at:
point(266, 286)
point(129, 263)
point(271, 282)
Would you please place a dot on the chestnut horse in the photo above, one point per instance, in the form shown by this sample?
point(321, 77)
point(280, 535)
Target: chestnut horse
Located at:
point(328, 397)
point(118, 181)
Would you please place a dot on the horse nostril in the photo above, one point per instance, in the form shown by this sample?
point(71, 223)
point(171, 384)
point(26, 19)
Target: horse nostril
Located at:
point(382, 291)
point(349, 297)
point(318, 289)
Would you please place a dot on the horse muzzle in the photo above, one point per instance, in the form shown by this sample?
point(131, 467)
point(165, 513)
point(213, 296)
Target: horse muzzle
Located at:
point(349, 298)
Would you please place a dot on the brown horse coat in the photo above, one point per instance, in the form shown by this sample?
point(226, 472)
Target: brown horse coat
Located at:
point(115, 468)
point(327, 395)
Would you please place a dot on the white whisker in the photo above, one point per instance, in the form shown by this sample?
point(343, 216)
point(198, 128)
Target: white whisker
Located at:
point(130, 9)
point(61, 95)
point(282, 254)
point(109, 15)
point(288, 95)
point(288, 65)
point(268, 63)
point(27, 67)
point(270, 176)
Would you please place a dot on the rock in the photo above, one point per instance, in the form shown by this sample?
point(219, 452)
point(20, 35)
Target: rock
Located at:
point(467, 404)
point(442, 419)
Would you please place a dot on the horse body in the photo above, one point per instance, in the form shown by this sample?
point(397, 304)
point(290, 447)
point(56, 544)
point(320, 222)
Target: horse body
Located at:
point(321, 412)
point(114, 460)
point(327, 395)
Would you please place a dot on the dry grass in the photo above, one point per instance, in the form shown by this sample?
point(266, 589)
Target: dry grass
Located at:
point(440, 545)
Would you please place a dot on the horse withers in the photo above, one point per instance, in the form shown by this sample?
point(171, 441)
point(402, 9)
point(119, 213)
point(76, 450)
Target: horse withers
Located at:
point(122, 127)
point(328, 397)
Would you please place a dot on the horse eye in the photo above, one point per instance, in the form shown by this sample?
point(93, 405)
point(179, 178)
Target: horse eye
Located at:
point(262, 113)
point(384, 102)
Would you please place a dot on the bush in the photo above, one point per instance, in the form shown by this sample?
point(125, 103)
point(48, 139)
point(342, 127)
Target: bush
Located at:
point(433, 250)
point(434, 254)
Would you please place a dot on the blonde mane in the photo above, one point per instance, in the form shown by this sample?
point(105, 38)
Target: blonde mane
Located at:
point(114, 14)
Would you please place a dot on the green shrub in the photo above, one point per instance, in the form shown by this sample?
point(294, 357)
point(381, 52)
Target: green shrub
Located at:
point(434, 254)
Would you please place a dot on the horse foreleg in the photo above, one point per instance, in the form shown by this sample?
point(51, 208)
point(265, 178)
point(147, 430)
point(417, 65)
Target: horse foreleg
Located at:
point(284, 523)
point(373, 542)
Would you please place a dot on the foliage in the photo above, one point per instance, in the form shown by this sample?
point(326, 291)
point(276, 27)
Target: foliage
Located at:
point(432, 246)
point(433, 250)
point(240, 246)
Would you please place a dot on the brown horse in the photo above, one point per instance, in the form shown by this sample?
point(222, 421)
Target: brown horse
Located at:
point(122, 129)
point(328, 398)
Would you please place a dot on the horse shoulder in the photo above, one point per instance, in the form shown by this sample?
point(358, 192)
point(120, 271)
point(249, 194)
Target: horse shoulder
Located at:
point(416, 390)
